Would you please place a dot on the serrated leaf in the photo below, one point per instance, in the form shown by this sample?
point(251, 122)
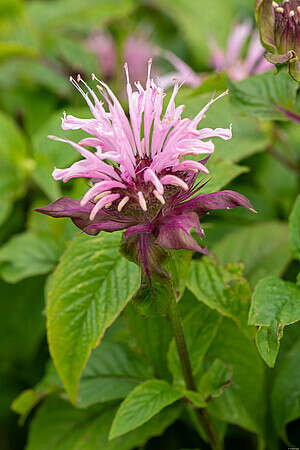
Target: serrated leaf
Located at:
point(200, 328)
point(275, 304)
point(221, 288)
point(91, 286)
point(57, 425)
point(262, 95)
point(243, 403)
point(295, 229)
point(29, 254)
point(285, 398)
point(144, 402)
point(262, 248)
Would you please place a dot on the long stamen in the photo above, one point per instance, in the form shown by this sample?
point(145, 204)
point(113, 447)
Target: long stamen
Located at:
point(142, 201)
point(123, 203)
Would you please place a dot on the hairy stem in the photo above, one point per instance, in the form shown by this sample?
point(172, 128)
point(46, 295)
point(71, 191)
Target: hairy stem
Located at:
point(202, 415)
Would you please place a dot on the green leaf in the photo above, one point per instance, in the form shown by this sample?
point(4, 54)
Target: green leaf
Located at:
point(11, 50)
point(243, 403)
point(153, 336)
point(200, 328)
point(91, 286)
point(211, 384)
point(261, 95)
point(113, 370)
point(57, 425)
point(28, 254)
point(144, 402)
point(262, 248)
point(221, 288)
point(213, 82)
point(285, 397)
point(295, 229)
point(275, 304)
point(14, 165)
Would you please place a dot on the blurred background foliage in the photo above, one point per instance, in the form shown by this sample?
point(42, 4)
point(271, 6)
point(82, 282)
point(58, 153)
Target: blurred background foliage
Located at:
point(42, 44)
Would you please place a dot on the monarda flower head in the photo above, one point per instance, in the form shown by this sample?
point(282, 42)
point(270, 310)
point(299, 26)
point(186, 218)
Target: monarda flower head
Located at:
point(141, 180)
point(279, 28)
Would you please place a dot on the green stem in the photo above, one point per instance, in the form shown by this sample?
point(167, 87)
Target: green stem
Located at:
point(202, 415)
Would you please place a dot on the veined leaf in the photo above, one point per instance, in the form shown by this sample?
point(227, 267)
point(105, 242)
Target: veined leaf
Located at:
point(275, 304)
point(91, 286)
point(144, 402)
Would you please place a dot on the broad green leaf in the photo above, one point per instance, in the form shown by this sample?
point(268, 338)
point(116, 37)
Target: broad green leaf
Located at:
point(261, 95)
point(285, 395)
point(211, 384)
point(243, 403)
point(29, 254)
point(113, 370)
point(221, 288)
point(144, 402)
point(262, 248)
point(295, 229)
point(275, 304)
point(200, 328)
point(14, 164)
point(153, 336)
point(23, 324)
point(91, 286)
point(57, 425)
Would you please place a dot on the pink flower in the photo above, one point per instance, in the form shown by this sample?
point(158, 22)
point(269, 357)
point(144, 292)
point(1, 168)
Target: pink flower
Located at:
point(231, 62)
point(141, 178)
point(103, 46)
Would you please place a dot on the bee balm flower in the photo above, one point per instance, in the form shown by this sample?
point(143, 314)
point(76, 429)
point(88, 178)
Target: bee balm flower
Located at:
point(140, 178)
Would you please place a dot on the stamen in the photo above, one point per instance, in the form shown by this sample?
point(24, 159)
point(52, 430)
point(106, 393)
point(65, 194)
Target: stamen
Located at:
point(298, 9)
point(123, 203)
point(142, 201)
point(176, 181)
point(99, 196)
point(280, 10)
point(159, 197)
point(292, 13)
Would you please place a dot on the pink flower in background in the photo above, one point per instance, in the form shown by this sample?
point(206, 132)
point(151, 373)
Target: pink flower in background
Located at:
point(231, 60)
point(136, 51)
point(140, 178)
point(103, 46)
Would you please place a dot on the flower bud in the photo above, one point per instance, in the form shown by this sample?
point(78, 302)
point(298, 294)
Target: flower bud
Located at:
point(279, 28)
